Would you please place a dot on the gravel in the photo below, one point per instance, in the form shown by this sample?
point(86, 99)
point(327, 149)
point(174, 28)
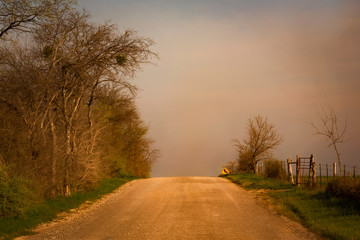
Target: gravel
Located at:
point(174, 208)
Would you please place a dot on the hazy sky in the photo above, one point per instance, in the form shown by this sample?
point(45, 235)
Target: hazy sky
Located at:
point(222, 62)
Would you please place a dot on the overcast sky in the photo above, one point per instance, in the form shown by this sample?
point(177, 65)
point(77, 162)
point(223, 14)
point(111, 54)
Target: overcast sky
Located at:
point(222, 62)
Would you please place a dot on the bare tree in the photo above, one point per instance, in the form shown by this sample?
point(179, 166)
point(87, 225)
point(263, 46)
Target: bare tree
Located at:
point(23, 15)
point(328, 127)
point(262, 137)
point(84, 58)
point(56, 88)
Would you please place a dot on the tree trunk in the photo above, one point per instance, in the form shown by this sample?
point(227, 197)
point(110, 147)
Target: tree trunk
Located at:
point(53, 158)
point(338, 157)
point(256, 167)
point(67, 161)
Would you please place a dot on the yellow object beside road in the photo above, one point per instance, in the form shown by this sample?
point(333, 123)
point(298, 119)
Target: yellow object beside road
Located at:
point(225, 171)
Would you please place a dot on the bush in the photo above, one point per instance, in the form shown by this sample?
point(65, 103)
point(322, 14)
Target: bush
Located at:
point(344, 187)
point(232, 166)
point(245, 164)
point(14, 194)
point(274, 169)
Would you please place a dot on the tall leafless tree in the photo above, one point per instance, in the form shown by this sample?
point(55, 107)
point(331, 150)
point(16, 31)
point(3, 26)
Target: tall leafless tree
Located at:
point(23, 15)
point(328, 125)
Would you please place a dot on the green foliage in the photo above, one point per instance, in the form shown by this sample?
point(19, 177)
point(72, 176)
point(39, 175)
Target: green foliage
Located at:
point(47, 51)
point(47, 210)
point(118, 167)
point(245, 163)
point(344, 187)
point(334, 218)
point(129, 151)
point(253, 181)
point(121, 60)
point(68, 117)
point(330, 217)
point(15, 197)
point(274, 169)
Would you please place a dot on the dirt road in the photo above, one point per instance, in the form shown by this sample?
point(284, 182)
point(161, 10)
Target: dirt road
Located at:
point(175, 208)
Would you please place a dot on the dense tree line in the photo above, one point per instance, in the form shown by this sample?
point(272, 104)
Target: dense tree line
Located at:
point(67, 111)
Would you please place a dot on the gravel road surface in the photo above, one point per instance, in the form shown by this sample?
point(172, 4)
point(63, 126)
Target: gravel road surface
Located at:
point(175, 208)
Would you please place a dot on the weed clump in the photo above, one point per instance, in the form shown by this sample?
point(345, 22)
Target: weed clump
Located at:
point(344, 187)
point(274, 169)
point(15, 197)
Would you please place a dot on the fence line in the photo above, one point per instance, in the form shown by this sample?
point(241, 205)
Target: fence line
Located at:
point(333, 172)
point(261, 166)
point(325, 172)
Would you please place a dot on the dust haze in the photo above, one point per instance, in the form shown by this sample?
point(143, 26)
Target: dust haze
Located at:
point(221, 63)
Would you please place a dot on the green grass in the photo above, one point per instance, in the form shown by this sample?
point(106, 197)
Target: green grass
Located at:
point(47, 210)
point(255, 182)
point(329, 217)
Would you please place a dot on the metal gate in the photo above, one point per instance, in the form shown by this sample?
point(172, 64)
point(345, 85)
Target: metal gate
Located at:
point(305, 170)
point(303, 166)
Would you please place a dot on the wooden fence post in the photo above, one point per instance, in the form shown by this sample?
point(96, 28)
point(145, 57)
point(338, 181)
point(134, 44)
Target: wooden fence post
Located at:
point(327, 174)
point(283, 162)
point(290, 173)
point(297, 170)
point(320, 175)
point(354, 172)
point(334, 169)
point(344, 171)
point(312, 171)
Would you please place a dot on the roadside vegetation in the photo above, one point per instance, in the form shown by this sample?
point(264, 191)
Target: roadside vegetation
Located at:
point(11, 227)
point(325, 212)
point(261, 138)
point(330, 209)
point(70, 130)
point(345, 188)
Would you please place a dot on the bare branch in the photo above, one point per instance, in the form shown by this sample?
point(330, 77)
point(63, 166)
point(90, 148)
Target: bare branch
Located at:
point(261, 139)
point(328, 127)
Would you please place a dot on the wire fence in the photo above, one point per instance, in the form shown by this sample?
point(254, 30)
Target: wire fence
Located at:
point(261, 166)
point(327, 172)
point(324, 172)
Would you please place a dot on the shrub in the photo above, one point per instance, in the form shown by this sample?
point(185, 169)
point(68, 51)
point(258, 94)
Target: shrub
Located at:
point(274, 169)
point(232, 166)
point(245, 164)
point(14, 194)
point(344, 187)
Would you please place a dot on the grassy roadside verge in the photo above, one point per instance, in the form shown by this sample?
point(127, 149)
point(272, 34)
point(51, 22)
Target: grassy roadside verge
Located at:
point(47, 210)
point(329, 217)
